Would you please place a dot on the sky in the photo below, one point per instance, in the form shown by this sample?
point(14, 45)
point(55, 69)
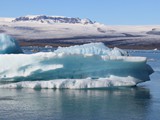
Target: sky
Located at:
point(110, 12)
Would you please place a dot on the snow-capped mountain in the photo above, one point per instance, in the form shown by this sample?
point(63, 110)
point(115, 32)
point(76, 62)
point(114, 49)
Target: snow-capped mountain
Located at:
point(42, 29)
point(52, 19)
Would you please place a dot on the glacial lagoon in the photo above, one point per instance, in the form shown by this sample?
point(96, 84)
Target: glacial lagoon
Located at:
point(124, 103)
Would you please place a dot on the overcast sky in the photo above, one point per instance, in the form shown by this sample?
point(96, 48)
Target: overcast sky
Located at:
point(113, 12)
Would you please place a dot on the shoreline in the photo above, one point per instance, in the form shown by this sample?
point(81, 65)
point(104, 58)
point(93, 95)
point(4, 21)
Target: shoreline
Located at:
point(67, 44)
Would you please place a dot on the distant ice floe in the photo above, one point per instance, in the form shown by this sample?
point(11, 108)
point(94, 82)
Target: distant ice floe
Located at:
point(93, 49)
point(82, 66)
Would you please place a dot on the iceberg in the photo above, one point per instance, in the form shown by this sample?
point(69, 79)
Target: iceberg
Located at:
point(83, 66)
point(9, 45)
point(92, 48)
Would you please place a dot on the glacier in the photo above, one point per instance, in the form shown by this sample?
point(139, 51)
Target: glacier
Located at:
point(9, 45)
point(82, 66)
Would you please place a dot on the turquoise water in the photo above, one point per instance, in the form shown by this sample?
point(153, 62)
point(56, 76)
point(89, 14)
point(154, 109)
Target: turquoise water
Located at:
point(136, 103)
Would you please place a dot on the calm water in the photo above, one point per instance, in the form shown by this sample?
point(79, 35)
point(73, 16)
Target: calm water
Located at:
point(137, 103)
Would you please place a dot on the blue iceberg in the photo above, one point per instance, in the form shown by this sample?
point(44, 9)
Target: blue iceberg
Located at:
point(83, 66)
point(9, 45)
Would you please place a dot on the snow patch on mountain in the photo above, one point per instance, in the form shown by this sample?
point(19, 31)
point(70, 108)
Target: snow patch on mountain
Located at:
point(154, 31)
point(52, 19)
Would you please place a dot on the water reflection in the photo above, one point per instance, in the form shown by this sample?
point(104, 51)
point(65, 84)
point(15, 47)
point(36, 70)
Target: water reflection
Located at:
point(129, 103)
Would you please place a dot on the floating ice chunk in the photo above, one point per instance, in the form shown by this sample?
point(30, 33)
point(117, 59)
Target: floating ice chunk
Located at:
point(8, 45)
point(87, 66)
point(92, 48)
point(51, 66)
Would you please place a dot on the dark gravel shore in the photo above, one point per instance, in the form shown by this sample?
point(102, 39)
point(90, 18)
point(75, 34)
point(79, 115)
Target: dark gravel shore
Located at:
point(137, 43)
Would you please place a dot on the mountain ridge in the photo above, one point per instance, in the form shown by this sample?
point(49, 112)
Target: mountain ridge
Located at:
point(52, 19)
point(42, 29)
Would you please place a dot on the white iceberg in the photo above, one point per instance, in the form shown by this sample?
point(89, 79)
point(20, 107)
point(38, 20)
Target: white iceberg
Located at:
point(85, 66)
point(8, 45)
point(92, 48)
